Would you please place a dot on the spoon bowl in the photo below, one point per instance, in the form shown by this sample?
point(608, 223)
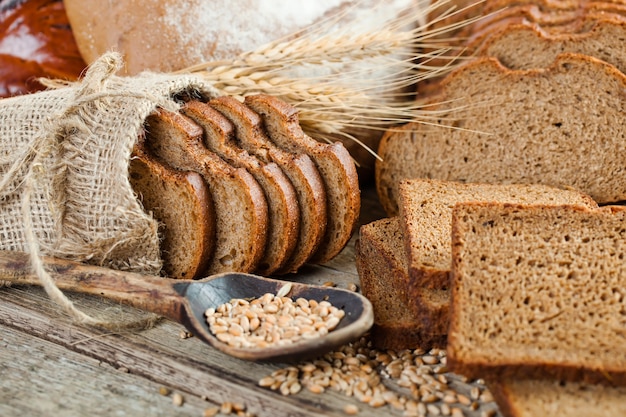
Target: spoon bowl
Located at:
point(186, 301)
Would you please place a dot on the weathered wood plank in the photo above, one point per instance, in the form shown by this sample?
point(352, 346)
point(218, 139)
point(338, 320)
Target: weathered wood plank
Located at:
point(41, 378)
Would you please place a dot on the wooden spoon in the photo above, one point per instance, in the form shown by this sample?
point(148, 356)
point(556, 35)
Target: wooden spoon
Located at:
point(185, 301)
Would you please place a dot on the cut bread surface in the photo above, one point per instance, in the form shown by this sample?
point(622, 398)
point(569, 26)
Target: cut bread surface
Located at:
point(426, 218)
point(240, 207)
point(180, 201)
point(538, 291)
point(559, 126)
point(337, 169)
point(283, 210)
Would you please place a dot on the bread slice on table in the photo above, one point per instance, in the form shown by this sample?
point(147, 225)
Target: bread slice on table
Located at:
point(559, 126)
point(400, 321)
point(283, 210)
point(240, 207)
point(426, 218)
point(524, 46)
point(181, 202)
point(526, 397)
point(333, 161)
point(538, 292)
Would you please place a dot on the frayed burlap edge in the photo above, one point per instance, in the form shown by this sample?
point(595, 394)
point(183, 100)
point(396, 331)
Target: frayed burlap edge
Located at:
point(72, 130)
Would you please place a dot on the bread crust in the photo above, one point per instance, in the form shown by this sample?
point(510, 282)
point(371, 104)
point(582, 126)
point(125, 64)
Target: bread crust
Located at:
point(186, 245)
point(334, 163)
point(240, 206)
point(283, 210)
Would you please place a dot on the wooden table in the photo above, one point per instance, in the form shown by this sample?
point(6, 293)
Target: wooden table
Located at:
point(49, 366)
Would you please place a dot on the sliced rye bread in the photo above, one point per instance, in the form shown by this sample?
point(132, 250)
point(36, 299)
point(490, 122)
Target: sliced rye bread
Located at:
point(425, 208)
point(283, 210)
point(334, 163)
point(240, 207)
point(400, 321)
point(523, 46)
point(548, 16)
point(181, 202)
point(559, 126)
point(299, 168)
point(526, 397)
point(538, 292)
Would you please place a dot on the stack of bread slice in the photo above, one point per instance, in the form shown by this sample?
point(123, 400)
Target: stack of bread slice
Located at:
point(537, 98)
point(404, 261)
point(266, 198)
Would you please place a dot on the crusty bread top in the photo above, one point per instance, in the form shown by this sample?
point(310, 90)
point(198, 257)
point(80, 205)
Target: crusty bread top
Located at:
point(526, 397)
point(181, 202)
point(335, 165)
point(426, 218)
point(538, 291)
point(240, 205)
point(559, 126)
point(283, 210)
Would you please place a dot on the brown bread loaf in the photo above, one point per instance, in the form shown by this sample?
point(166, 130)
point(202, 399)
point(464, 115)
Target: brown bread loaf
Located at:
point(559, 126)
point(181, 203)
point(538, 292)
point(283, 210)
point(334, 163)
point(240, 205)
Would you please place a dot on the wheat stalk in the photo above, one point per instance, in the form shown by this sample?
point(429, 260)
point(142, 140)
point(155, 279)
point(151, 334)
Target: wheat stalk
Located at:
point(384, 61)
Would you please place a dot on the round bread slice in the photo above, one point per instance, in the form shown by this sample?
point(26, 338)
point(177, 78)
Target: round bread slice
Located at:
point(240, 206)
point(333, 161)
point(299, 167)
point(181, 202)
point(284, 213)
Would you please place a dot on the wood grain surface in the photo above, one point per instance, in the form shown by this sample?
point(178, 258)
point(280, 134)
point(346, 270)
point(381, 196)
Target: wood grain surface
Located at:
point(51, 366)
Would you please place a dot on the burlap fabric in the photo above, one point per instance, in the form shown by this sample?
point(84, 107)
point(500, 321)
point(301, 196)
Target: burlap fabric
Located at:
point(64, 160)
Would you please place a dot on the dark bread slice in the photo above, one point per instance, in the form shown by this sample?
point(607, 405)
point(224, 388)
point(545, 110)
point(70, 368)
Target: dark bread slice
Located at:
point(496, 125)
point(400, 321)
point(283, 210)
point(426, 218)
point(298, 166)
point(525, 47)
point(538, 292)
point(335, 165)
point(525, 397)
point(181, 202)
point(240, 205)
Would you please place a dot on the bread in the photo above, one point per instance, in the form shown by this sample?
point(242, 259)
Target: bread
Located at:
point(333, 161)
point(525, 397)
point(283, 210)
point(181, 202)
point(299, 167)
point(426, 219)
point(537, 292)
point(400, 321)
point(37, 41)
point(169, 35)
point(240, 207)
point(495, 125)
point(525, 47)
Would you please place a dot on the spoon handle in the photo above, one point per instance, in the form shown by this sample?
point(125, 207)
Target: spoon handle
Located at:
point(149, 293)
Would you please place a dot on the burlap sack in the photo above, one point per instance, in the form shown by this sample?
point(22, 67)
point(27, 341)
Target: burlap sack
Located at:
point(64, 158)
